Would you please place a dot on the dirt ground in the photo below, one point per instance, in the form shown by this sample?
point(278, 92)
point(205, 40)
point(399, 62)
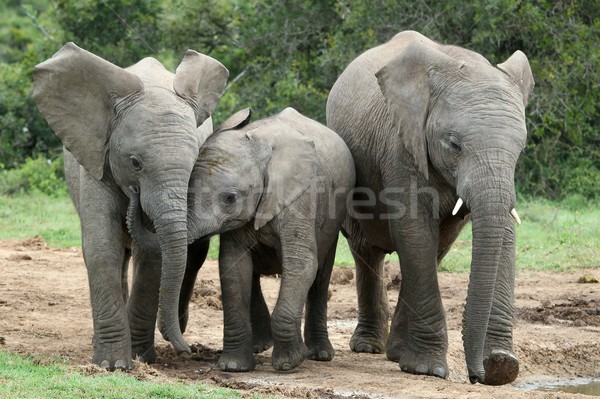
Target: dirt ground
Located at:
point(45, 311)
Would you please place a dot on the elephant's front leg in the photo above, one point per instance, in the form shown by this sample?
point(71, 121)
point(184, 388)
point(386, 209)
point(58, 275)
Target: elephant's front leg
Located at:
point(418, 338)
point(105, 254)
point(299, 268)
point(235, 271)
point(142, 306)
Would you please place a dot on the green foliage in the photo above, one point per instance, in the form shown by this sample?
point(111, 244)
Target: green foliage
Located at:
point(35, 175)
point(120, 31)
point(27, 377)
point(290, 52)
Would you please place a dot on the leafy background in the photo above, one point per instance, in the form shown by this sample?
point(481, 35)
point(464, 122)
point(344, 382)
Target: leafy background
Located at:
point(289, 53)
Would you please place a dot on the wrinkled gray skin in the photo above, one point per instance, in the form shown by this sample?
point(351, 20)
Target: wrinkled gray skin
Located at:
point(428, 124)
point(130, 130)
point(275, 190)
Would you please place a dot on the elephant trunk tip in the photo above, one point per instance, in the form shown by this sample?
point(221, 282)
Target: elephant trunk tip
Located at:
point(179, 344)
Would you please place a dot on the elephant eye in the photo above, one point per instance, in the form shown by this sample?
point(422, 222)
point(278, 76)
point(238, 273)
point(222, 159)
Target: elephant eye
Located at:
point(136, 163)
point(230, 198)
point(455, 143)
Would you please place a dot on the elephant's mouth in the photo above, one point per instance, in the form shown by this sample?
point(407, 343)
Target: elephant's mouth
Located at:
point(462, 211)
point(139, 224)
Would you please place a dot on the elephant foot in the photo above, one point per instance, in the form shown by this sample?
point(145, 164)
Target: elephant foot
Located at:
point(501, 367)
point(236, 362)
point(321, 351)
point(423, 364)
point(113, 360)
point(144, 353)
point(410, 361)
point(261, 339)
point(288, 356)
point(365, 339)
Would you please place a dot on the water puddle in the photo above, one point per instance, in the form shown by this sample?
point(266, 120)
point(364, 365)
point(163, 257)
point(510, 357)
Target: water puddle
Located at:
point(584, 386)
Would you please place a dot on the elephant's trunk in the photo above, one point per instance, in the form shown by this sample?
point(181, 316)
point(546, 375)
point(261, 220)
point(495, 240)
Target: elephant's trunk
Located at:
point(490, 214)
point(170, 223)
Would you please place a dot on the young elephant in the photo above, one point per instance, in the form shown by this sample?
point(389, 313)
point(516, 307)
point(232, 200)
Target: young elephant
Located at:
point(131, 129)
point(275, 190)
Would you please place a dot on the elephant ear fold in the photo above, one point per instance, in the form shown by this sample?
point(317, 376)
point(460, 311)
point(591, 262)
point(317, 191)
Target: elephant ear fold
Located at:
point(200, 80)
point(518, 69)
point(236, 121)
point(76, 91)
point(291, 168)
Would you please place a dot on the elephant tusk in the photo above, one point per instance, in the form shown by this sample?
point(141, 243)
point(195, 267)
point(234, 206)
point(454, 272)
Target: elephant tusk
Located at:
point(457, 206)
point(515, 216)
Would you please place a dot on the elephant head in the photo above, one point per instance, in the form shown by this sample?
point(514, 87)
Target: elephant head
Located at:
point(463, 122)
point(137, 128)
point(243, 174)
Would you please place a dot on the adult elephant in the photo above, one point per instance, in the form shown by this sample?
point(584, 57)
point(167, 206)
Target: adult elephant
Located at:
point(431, 126)
point(136, 129)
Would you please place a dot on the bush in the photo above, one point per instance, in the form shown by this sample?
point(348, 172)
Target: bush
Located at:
point(35, 175)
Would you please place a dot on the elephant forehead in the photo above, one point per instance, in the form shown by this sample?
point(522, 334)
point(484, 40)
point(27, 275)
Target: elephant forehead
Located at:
point(153, 73)
point(156, 110)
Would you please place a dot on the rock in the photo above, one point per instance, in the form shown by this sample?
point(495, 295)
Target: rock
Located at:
point(587, 279)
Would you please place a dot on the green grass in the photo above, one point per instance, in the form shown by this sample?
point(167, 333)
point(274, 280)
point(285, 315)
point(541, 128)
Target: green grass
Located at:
point(52, 218)
point(26, 377)
point(553, 236)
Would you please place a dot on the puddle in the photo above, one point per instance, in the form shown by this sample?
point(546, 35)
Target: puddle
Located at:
point(584, 386)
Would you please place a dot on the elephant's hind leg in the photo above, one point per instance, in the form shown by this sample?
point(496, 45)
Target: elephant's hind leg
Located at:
point(196, 256)
point(373, 308)
point(262, 338)
point(315, 326)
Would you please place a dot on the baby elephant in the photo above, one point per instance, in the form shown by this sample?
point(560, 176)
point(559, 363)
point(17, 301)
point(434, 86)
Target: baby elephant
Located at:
point(275, 190)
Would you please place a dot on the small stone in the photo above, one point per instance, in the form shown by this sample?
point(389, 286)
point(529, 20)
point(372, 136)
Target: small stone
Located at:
point(588, 279)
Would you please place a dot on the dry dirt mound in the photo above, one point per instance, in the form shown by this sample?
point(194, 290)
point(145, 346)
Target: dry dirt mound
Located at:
point(44, 310)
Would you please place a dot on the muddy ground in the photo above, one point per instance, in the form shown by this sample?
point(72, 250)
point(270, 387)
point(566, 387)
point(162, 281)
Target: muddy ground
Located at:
point(45, 311)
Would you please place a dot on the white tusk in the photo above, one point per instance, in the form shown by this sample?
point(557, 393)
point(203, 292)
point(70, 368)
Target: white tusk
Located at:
point(457, 206)
point(515, 216)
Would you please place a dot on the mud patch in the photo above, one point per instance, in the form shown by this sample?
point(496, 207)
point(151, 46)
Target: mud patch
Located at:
point(578, 312)
point(342, 276)
point(207, 294)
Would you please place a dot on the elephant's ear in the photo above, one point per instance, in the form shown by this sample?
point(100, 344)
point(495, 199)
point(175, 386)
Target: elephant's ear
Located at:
point(200, 80)
point(404, 82)
point(291, 168)
point(76, 91)
point(236, 121)
point(518, 69)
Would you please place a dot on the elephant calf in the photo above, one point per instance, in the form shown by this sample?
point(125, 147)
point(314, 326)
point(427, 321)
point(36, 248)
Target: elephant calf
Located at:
point(275, 190)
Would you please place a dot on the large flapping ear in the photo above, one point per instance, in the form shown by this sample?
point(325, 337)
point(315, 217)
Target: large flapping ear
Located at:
point(291, 168)
point(518, 69)
point(404, 82)
point(76, 91)
point(236, 121)
point(200, 80)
